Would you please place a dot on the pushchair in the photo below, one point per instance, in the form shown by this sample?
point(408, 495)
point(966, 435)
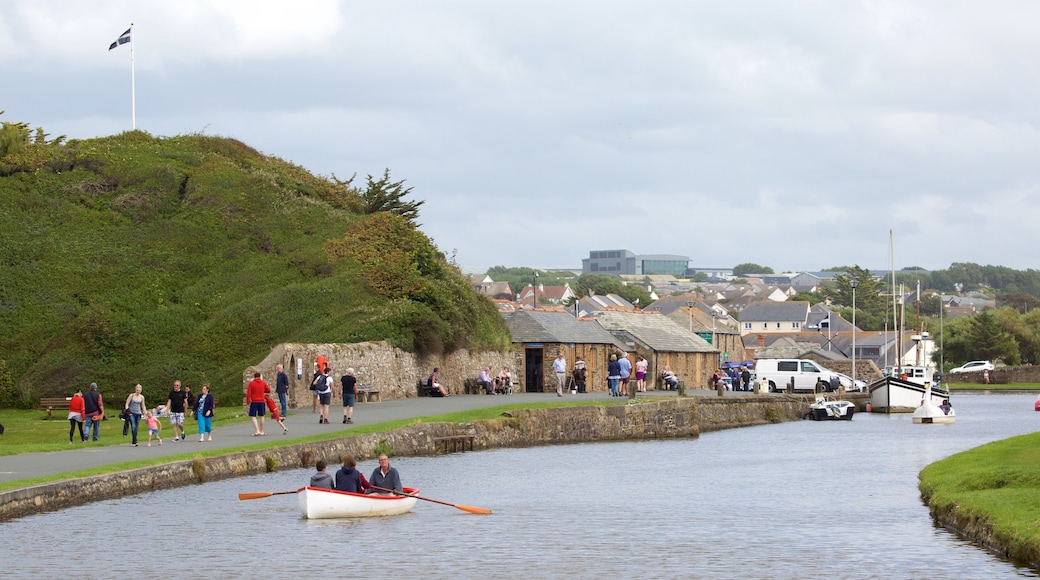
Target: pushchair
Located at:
point(577, 380)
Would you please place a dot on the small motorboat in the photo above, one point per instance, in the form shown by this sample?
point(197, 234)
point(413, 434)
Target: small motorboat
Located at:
point(318, 503)
point(824, 410)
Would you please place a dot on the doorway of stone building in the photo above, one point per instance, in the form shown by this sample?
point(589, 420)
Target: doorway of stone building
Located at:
point(533, 369)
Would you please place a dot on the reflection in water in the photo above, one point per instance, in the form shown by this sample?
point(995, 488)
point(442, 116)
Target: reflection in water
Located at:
point(802, 499)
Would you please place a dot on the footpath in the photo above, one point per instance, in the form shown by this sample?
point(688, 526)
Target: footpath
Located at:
point(301, 422)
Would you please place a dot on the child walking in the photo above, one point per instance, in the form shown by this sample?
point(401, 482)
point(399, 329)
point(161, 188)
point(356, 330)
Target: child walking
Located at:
point(153, 427)
point(276, 415)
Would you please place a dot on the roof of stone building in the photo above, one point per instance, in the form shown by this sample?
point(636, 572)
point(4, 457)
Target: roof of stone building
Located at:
point(557, 327)
point(657, 332)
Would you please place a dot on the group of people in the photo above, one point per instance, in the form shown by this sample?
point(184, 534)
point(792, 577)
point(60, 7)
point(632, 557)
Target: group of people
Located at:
point(323, 388)
point(86, 411)
point(384, 478)
point(500, 385)
point(740, 378)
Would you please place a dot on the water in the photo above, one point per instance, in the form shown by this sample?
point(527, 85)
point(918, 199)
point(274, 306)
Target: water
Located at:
point(801, 499)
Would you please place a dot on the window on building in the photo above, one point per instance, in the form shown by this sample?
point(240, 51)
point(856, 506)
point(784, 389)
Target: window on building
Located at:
point(796, 325)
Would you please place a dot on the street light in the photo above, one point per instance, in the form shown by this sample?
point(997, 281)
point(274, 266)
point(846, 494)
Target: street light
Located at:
point(534, 297)
point(689, 305)
point(853, 283)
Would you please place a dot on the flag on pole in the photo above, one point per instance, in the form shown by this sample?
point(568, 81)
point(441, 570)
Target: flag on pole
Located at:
point(123, 39)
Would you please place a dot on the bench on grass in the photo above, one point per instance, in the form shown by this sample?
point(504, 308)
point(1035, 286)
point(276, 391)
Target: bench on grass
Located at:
point(51, 403)
point(367, 394)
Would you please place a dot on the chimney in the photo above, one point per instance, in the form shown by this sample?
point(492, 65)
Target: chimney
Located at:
point(761, 340)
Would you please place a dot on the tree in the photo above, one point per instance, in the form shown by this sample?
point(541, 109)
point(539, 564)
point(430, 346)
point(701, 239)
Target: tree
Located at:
point(989, 340)
point(750, 268)
point(385, 195)
point(871, 305)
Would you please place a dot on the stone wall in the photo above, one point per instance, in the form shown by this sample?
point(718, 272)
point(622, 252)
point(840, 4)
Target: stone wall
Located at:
point(668, 418)
point(377, 364)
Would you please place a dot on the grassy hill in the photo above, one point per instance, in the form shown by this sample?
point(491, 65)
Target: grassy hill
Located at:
point(133, 259)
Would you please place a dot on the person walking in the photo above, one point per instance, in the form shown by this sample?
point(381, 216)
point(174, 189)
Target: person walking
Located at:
point(153, 427)
point(256, 394)
point(281, 386)
point(135, 406)
point(349, 384)
point(76, 413)
point(177, 405)
point(93, 410)
point(204, 413)
point(273, 408)
point(560, 367)
point(324, 396)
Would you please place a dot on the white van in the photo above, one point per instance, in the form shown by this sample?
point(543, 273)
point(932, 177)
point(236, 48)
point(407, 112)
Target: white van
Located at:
point(776, 374)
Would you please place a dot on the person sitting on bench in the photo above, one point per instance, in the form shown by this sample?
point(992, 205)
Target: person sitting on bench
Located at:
point(438, 389)
point(670, 379)
point(484, 381)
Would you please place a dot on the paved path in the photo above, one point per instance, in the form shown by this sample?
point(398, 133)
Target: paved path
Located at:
point(300, 423)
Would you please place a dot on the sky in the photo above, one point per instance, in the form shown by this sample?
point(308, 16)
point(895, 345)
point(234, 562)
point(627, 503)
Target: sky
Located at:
point(794, 135)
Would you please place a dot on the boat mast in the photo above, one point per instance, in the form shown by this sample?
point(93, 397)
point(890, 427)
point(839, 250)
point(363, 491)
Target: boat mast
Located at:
point(895, 311)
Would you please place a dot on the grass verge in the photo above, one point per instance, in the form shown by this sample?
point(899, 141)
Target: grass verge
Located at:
point(996, 485)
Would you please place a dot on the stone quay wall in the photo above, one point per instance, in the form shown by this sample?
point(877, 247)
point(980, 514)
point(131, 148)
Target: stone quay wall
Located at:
point(392, 371)
point(668, 418)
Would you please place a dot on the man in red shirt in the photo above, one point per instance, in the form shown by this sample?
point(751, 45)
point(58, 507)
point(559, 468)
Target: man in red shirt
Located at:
point(256, 394)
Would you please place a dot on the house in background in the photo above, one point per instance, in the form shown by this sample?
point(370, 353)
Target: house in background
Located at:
point(773, 317)
point(552, 295)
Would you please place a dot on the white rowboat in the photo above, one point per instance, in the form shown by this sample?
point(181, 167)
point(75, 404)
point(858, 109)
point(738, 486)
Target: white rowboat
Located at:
point(317, 503)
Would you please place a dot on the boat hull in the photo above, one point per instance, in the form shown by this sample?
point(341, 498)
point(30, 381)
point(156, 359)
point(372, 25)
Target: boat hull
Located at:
point(840, 411)
point(894, 395)
point(318, 504)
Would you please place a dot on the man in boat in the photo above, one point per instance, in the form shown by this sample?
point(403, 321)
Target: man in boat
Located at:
point(350, 479)
point(385, 476)
point(321, 479)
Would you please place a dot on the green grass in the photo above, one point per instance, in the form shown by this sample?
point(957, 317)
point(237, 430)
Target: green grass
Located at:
point(35, 438)
point(993, 387)
point(997, 483)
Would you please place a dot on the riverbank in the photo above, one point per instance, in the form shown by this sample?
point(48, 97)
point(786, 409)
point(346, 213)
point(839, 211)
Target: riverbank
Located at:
point(990, 495)
point(652, 417)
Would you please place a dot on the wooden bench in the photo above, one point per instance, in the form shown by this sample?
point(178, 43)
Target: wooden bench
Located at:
point(426, 389)
point(455, 442)
point(51, 403)
point(367, 394)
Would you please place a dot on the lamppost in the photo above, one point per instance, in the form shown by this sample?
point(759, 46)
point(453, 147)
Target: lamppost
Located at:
point(689, 305)
point(853, 283)
point(534, 288)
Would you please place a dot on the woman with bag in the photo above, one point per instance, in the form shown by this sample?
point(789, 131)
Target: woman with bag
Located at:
point(135, 406)
point(204, 414)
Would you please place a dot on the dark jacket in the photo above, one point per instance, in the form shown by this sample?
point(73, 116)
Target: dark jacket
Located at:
point(204, 406)
point(350, 479)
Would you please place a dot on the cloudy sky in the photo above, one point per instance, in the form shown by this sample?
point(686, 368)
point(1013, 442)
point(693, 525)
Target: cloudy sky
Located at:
point(790, 134)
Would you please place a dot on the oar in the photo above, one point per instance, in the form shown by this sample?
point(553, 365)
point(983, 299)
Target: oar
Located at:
point(260, 494)
point(465, 508)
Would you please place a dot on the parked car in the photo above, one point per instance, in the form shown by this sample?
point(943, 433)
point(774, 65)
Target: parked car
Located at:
point(975, 365)
point(846, 381)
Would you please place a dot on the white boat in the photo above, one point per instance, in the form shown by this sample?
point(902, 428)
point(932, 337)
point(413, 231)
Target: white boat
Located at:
point(892, 394)
point(930, 413)
point(318, 503)
point(823, 410)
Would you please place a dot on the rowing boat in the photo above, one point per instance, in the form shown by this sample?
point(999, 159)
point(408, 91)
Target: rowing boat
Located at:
point(319, 503)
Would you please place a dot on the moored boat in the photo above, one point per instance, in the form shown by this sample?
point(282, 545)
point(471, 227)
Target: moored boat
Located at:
point(893, 394)
point(319, 503)
point(823, 410)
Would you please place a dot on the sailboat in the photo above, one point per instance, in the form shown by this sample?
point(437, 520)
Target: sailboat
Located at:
point(904, 388)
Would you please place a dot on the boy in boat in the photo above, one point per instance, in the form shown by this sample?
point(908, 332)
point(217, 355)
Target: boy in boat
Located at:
point(350, 479)
point(321, 479)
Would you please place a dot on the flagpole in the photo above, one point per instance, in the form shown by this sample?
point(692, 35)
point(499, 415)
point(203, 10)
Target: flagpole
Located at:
point(133, 92)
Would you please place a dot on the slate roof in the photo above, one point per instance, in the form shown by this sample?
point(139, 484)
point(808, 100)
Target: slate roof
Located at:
point(657, 332)
point(538, 326)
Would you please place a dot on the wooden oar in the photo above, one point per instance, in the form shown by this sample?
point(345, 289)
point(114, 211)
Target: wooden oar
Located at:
point(465, 508)
point(260, 494)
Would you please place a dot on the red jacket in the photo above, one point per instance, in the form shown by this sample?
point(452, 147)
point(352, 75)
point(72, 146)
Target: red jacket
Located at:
point(76, 405)
point(256, 390)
